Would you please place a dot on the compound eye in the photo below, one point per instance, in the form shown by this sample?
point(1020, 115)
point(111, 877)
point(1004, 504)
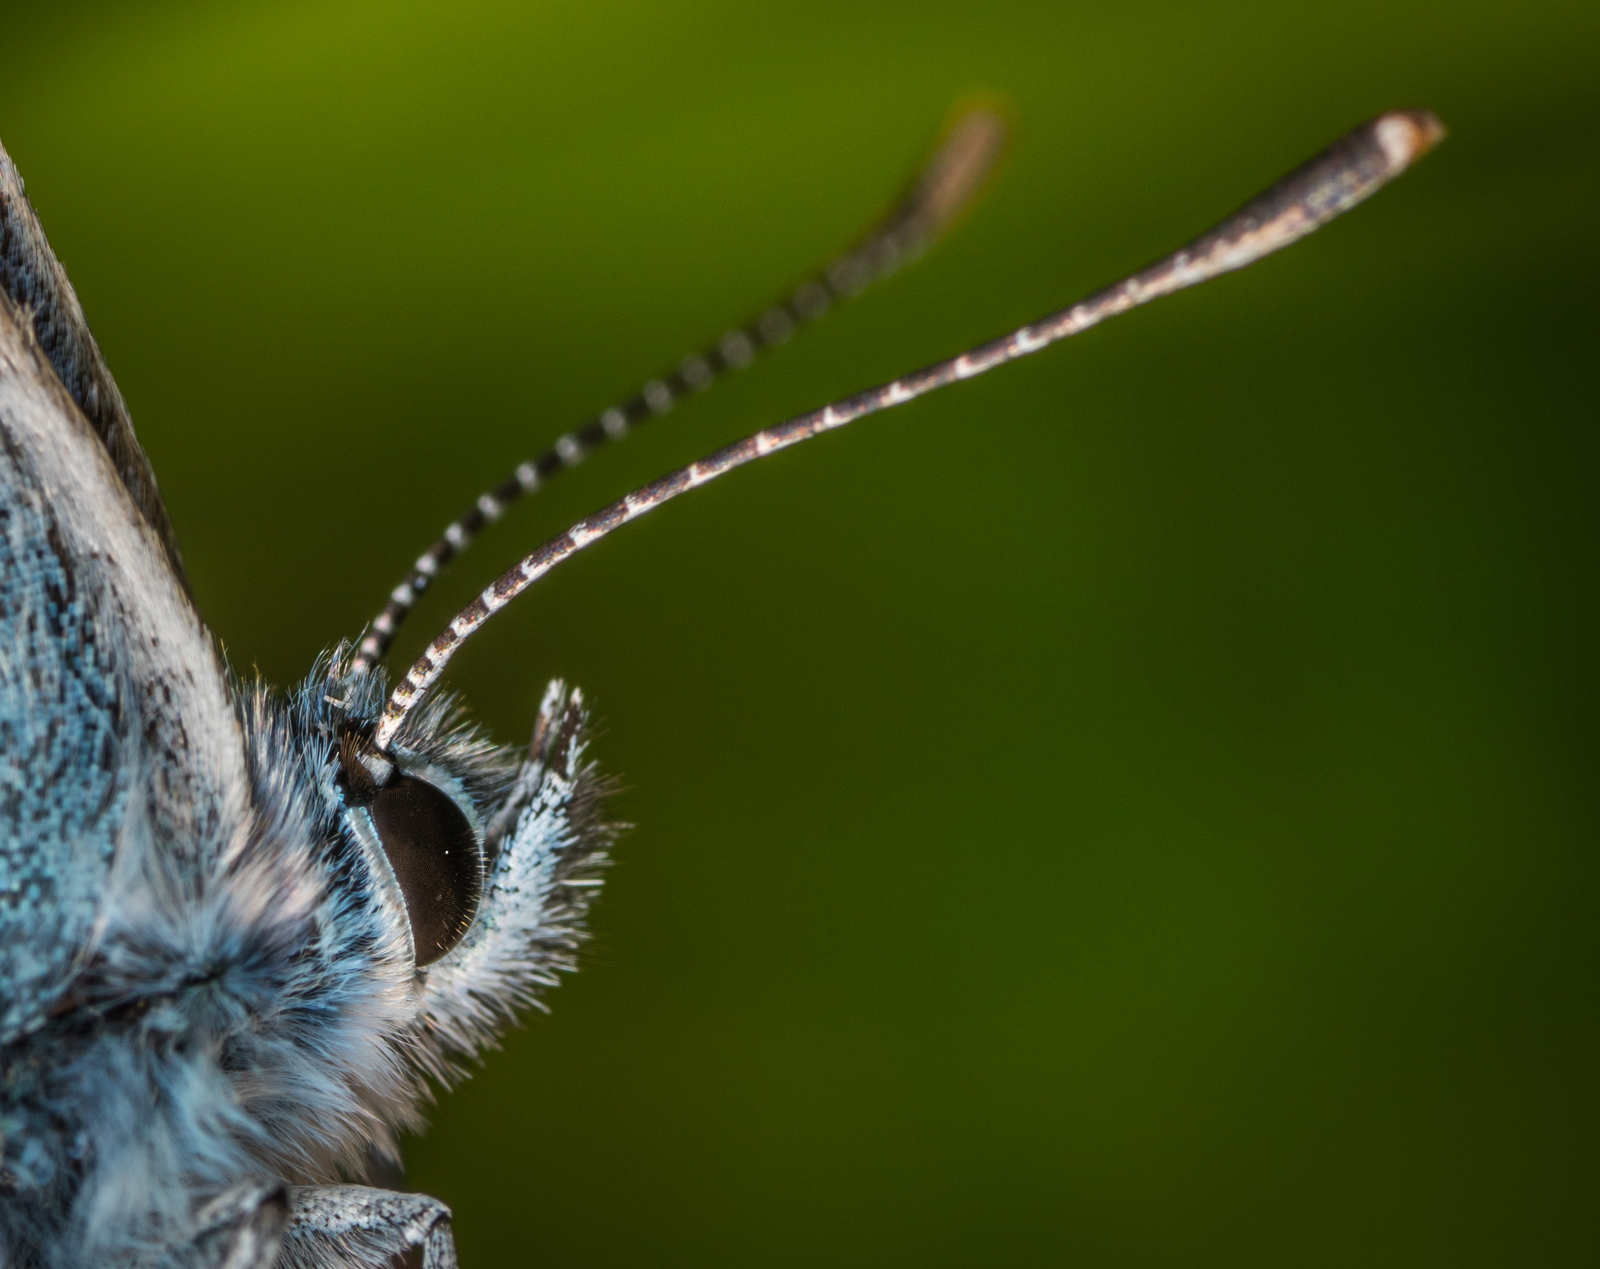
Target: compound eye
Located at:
point(435, 857)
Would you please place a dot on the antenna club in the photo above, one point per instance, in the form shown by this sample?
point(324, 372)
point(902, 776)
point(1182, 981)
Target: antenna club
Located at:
point(1406, 135)
point(961, 166)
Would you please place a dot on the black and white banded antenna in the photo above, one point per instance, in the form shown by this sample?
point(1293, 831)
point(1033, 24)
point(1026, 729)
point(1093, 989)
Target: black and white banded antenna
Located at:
point(933, 201)
point(1343, 175)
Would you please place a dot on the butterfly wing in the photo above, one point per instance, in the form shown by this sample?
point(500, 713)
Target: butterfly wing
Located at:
point(37, 284)
point(119, 743)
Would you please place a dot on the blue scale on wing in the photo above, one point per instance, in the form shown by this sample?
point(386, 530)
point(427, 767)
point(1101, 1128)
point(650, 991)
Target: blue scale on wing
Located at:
point(61, 798)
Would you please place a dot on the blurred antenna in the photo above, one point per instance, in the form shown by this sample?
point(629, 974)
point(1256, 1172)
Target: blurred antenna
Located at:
point(935, 199)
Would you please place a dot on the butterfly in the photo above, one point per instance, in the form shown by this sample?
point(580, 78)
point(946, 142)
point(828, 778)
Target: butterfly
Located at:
point(242, 931)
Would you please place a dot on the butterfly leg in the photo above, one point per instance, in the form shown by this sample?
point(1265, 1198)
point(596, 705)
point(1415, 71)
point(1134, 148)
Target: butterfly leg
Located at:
point(353, 1225)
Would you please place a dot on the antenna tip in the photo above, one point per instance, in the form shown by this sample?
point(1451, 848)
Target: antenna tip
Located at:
point(1406, 135)
point(962, 163)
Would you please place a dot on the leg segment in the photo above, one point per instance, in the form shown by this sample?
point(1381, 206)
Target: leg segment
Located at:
point(350, 1226)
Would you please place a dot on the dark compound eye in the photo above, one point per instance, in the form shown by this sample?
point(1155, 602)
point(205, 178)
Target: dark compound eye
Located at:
point(436, 859)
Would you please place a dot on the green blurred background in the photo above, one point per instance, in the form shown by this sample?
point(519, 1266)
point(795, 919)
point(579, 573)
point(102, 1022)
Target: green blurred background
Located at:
point(1139, 808)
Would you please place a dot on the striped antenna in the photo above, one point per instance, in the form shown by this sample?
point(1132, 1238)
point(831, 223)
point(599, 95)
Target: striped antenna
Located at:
point(1336, 180)
point(932, 203)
